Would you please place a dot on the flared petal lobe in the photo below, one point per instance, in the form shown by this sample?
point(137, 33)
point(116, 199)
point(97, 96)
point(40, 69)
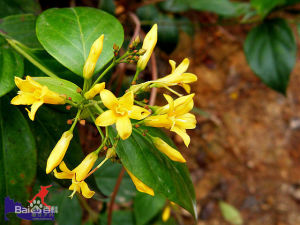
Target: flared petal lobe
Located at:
point(124, 127)
point(106, 119)
point(109, 99)
point(86, 192)
point(182, 133)
point(138, 113)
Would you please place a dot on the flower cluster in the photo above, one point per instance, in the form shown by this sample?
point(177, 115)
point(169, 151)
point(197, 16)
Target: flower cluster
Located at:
point(124, 111)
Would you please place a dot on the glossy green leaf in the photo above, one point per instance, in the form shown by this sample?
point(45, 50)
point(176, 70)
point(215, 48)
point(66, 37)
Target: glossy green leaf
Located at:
point(118, 218)
point(106, 179)
point(220, 7)
point(17, 157)
point(230, 213)
point(270, 49)
point(67, 34)
point(263, 7)
point(146, 207)
point(21, 28)
point(11, 65)
point(165, 177)
point(10, 7)
point(61, 86)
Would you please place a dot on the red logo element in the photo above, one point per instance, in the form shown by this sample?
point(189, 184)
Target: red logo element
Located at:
point(42, 194)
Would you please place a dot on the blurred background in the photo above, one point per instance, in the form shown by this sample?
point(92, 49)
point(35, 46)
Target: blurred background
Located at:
point(245, 150)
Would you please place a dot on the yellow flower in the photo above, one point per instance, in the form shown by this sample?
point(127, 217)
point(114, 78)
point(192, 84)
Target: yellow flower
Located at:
point(163, 147)
point(78, 175)
point(35, 94)
point(94, 91)
point(148, 45)
point(90, 63)
point(166, 213)
point(175, 116)
point(120, 112)
point(59, 151)
point(140, 186)
point(178, 76)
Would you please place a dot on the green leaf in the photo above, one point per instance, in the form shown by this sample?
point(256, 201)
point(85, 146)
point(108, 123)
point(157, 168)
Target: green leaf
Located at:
point(263, 7)
point(11, 64)
point(230, 213)
point(68, 34)
point(108, 6)
point(17, 157)
point(270, 49)
point(118, 218)
point(146, 207)
point(106, 179)
point(171, 179)
point(220, 7)
point(21, 28)
point(61, 86)
point(9, 7)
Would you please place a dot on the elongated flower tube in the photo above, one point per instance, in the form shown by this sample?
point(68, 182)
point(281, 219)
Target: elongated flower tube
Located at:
point(35, 94)
point(59, 151)
point(90, 63)
point(166, 149)
point(175, 116)
point(140, 186)
point(148, 45)
point(178, 76)
point(94, 91)
point(119, 112)
point(78, 175)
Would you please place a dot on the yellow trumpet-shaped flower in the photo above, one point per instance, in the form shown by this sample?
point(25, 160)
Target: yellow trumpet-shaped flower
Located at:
point(178, 76)
point(59, 151)
point(78, 175)
point(90, 63)
point(175, 116)
point(148, 45)
point(120, 111)
point(94, 91)
point(35, 94)
point(140, 186)
point(166, 149)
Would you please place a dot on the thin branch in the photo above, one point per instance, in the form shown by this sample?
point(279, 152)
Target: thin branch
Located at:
point(113, 196)
point(154, 77)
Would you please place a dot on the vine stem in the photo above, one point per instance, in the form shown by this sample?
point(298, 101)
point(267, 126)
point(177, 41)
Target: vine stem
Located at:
point(113, 196)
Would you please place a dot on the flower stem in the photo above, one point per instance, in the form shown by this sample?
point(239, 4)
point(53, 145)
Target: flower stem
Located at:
point(137, 72)
point(75, 120)
point(98, 128)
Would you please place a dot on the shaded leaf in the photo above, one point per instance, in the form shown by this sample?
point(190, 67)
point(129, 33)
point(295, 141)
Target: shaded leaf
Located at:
point(263, 7)
point(270, 50)
point(11, 65)
point(174, 5)
point(67, 34)
point(118, 218)
point(9, 7)
point(18, 156)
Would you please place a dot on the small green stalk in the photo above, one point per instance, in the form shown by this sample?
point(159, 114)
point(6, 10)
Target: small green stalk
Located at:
point(75, 121)
point(98, 128)
point(136, 75)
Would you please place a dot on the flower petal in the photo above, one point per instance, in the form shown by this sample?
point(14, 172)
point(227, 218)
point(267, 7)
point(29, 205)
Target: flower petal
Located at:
point(86, 192)
point(158, 121)
point(182, 67)
point(126, 100)
point(124, 127)
point(28, 85)
point(138, 113)
point(186, 87)
point(23, 98)
point(63, 167)
point(35, 106)
point(106, 119)
point(109, 99)
point(188, 78)
point(140, 186)
point(173, 65)
point(63, 175)
point(186, 121)
point(170, 102)
point(182, 133)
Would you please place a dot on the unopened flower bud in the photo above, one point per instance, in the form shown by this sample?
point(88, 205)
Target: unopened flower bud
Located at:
point(94, 91)
point(85, 166)
point(142, 51)
point(116, 47)
point(59, 151)
point(136, 41)
point(90, 63)
point(111, 153)
point(148, 44)
point(166, 149)
point(140, 186)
